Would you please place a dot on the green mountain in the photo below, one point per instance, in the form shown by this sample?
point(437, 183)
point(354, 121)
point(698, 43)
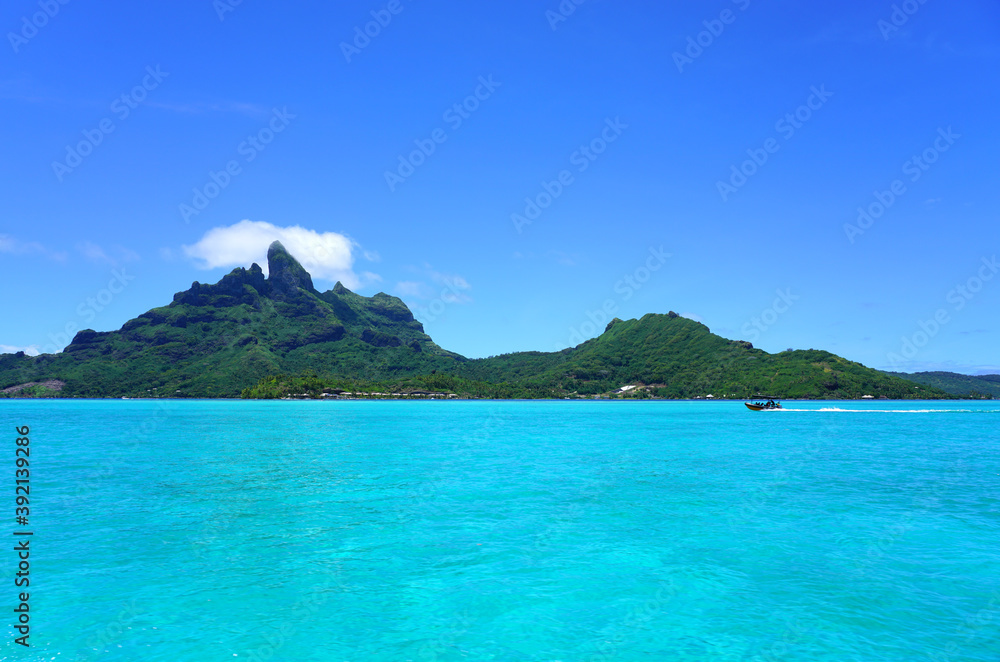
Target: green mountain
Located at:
point(215, 340)
point(274, 336)
point(955, 383)
point(676, 357)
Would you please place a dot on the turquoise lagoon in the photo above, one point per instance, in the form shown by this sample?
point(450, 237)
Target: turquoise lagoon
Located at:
point(541, 531)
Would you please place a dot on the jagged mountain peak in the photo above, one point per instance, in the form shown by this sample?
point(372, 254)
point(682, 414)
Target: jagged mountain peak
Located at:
point(285, 274)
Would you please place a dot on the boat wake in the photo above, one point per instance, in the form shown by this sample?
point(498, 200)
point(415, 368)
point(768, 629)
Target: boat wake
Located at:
point(897, 411)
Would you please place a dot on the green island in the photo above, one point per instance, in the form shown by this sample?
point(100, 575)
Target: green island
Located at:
point(253, 336)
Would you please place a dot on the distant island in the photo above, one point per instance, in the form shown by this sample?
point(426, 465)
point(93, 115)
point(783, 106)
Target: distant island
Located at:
point(279, 337)
point(966, 386)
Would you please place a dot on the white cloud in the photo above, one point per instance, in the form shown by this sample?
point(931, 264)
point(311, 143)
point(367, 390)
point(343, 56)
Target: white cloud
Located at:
point(450, 288)
point(200, 107)
point(9, 244)
point(118, 254)
point(564, 259)
point(410, 288)
point(30, 350)
point(451, 281)
point(326, 255)
point(92, 251)
point(455, 287)
point(693, 316)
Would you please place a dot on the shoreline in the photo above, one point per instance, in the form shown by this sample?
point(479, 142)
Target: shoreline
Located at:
point(461, 399)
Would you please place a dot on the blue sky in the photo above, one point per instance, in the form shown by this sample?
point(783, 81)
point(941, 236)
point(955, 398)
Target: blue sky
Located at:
point(149, 145)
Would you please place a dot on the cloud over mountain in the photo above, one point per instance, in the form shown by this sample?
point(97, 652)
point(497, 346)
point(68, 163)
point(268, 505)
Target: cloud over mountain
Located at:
point(325, 255)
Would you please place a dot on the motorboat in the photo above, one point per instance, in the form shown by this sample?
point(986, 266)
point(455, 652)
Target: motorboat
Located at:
point(762, 404)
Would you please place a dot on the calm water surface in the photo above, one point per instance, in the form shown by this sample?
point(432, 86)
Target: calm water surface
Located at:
point(541, 531)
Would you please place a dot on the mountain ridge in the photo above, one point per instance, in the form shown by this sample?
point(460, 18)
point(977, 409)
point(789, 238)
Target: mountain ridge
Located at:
point(955, 383)
point(229, 338)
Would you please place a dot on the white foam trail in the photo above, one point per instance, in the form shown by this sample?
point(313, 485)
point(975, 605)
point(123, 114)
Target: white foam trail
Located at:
point(890, 411)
